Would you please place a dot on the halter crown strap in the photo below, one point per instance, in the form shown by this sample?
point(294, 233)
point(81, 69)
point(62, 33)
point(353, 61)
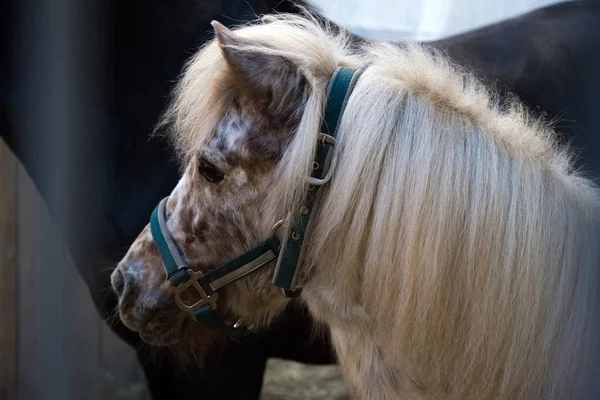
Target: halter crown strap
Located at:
point(293, 251)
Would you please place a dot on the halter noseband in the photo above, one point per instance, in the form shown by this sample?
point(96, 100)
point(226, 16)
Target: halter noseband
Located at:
point(289, 252)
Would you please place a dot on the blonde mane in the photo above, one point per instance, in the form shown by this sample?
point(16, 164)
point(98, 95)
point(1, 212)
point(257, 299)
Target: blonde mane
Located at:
point(455, 251)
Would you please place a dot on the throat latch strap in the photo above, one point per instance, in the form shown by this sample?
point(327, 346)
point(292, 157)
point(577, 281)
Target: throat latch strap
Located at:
point(299, 223)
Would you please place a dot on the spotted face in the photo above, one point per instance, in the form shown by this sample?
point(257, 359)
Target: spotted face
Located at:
point(219, 208)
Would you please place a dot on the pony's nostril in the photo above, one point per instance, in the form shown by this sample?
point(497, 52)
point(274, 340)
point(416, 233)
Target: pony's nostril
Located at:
point(118, 282)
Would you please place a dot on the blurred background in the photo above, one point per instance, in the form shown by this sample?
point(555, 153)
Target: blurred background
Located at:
point(62, 75)
point(422, 20)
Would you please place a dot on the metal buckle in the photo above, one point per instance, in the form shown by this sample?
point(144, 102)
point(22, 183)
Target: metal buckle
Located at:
point(321, 181)
point(210, 299)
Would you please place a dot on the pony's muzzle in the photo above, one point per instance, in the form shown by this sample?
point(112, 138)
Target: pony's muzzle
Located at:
point(146, 309)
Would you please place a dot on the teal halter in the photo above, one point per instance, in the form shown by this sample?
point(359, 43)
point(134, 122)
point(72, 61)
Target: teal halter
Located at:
point(289, 252)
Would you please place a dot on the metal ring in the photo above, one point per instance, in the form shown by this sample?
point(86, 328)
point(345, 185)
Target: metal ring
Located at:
point(303, 210)
point(316, 165)
point(295, 235)
point(278, 225)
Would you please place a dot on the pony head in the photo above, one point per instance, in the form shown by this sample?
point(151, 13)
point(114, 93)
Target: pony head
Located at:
point(234, 120)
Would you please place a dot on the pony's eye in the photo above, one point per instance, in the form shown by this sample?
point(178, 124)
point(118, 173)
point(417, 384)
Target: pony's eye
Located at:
point(210, 172)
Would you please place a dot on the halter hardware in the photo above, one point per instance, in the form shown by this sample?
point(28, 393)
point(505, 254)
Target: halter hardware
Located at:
point(195, 277)
point(325, 140)
point(289, 252)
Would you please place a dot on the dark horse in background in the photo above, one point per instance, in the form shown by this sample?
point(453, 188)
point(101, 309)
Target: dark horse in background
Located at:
point(549, 58)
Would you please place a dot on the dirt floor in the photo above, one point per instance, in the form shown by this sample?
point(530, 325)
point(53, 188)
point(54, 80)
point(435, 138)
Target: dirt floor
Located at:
point(286, 380)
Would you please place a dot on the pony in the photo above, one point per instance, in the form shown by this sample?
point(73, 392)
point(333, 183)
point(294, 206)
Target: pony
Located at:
point(538, 56)
point(453, 253)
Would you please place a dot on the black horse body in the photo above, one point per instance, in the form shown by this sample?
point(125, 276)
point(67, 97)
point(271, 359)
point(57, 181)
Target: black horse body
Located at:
point(544, 57)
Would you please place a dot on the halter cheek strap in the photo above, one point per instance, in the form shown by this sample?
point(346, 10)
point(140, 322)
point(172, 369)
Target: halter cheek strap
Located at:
point(298, 224)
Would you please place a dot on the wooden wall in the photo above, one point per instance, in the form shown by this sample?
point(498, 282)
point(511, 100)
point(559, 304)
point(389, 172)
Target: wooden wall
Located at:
point(52, 343)
point(8, 277)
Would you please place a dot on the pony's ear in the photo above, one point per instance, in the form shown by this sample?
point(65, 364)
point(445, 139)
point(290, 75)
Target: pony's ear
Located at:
point(259, 69)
